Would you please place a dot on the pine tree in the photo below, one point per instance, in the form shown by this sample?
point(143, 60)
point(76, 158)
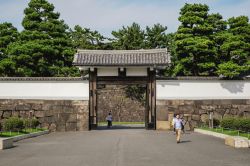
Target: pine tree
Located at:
point(235, 49)
point(44, 48)
point(129, 38)
point(8, 34)
point(194, 48)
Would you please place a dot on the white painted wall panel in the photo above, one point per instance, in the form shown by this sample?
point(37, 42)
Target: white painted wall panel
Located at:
point(136, 72)
point(65, 90)
point(107, 71)
point(202, 89)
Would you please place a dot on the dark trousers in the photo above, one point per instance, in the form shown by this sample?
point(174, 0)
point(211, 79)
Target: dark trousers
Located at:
point(109, 123)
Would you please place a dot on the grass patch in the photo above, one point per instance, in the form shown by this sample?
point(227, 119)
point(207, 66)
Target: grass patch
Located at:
point(119, 123)
point(228, 132)
point(24, 131)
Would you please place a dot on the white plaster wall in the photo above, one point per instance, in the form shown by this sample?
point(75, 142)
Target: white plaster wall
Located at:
point(53, 90)
point(107, 71)
point(136, 72)
point(202, 89)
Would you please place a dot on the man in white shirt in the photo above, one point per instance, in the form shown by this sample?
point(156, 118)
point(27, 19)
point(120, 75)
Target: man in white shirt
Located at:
point(178, 127)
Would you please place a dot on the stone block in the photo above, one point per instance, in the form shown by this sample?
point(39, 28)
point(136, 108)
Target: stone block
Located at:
point(6, 143)
point(24, 114)
point(63, 117)
point(49, 113)
point(39, 114)
point(195, 117)
point(208, 107)
point(60, 127)
point(207, 102)
point(1, 113)
point(248, 101)
point(226, 106)
point(238, 102)
point(52, 127)
point(204, 117)
point(244, 108)
point(189, 102)
point(49, 119)
point(36, 107)
point(71, 126)
point(163, 125)
point(187, 126)
point(72, 118)
point(24, 107)
point(201, 111)
point(15, 113)
point(237, 142)
point(82, 122)
point(6, 114)
point(186, 108)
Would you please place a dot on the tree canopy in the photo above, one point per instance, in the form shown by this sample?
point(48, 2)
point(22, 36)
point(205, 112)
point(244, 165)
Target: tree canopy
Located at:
point(204, 45)
point(43, 48)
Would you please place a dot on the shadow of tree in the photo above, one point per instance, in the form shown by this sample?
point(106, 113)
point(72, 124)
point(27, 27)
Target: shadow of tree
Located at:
point(233, 87)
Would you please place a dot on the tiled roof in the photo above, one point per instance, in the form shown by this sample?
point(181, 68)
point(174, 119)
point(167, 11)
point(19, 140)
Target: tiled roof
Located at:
point(150, 57)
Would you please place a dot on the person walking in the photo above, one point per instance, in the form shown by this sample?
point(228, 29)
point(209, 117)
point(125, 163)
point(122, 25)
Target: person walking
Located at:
point(109, 120)
point(178, 126)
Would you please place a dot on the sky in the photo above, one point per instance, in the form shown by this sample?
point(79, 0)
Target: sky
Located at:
point(107, 15)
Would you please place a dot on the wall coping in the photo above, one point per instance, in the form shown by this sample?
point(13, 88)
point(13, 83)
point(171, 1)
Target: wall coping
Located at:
point(43, 78)
point(86, 78)
point(199, 78)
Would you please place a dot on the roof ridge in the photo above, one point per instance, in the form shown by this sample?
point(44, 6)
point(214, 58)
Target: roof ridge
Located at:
point(156, 50)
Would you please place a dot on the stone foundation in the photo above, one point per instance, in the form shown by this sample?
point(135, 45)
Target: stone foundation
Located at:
point(196, 112)
point(55, 115)
point(124, 108)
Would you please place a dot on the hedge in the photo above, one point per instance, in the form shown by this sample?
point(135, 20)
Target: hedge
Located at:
point(30, 123)
point(236, 123)
point(13, 124)
point(17, 124)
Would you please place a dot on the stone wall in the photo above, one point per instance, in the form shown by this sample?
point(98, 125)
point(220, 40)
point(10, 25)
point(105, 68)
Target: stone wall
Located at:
point(196, 112)
point(123, 107)
point(56, 115)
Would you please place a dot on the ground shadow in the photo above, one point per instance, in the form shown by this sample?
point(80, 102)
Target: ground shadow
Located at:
point(119, 127)
point(185, 141)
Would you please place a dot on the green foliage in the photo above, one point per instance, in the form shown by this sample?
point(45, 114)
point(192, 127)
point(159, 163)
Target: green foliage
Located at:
point(30, 123)
point(204, 45)
point(194, 49)
point(236, 123)
point(235, 48)
point(136, 92)
point(156, 37)
point(129, 38)
point(8, 34)
point(44, 48)
point(13, 124)
point(216, 122)
point(84, 38)
point(231, 70)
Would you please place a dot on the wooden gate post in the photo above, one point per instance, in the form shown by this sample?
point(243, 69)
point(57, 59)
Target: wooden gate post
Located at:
point(92, 99)
point(151, 100)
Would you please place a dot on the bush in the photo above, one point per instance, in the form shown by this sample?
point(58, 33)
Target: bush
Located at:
point(31, 123)
point(236, 123)
point(13, 124)
point(216, 122)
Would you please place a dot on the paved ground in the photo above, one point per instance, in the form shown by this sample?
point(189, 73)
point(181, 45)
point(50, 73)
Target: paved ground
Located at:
point(123, 147)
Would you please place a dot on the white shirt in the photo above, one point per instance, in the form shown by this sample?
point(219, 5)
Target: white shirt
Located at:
point(109, 118)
